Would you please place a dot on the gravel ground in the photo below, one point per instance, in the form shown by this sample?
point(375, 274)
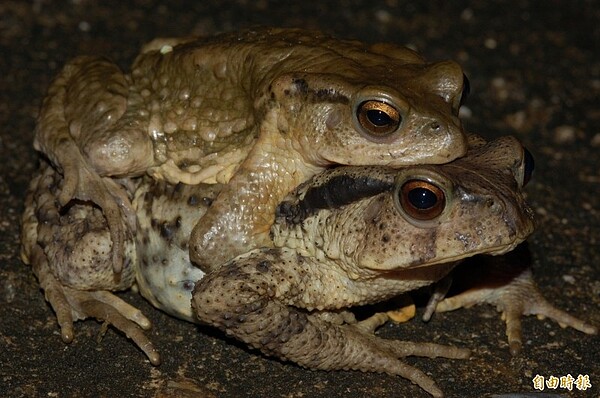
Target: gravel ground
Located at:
point(535, 73)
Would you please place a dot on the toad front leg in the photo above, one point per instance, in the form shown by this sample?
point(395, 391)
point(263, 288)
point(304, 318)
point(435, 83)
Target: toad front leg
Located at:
point(83, 131)
point(507, 283)
point(272, 300)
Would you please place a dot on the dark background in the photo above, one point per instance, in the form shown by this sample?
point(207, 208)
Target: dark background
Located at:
point(535, 72)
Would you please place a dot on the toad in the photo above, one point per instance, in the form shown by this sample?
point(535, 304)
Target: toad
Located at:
point(355, 236)
point(349, 236)
point(259, 111)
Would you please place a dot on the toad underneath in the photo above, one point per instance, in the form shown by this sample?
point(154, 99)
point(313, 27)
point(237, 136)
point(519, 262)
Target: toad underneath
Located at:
point(349, 236)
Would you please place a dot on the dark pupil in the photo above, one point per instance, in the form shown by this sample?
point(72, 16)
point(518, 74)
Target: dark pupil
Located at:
point(529, 166)
point(422, 198)
point(466, 90)
point(378, 118)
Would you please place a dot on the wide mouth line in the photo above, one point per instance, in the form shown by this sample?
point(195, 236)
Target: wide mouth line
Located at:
point(495, 250)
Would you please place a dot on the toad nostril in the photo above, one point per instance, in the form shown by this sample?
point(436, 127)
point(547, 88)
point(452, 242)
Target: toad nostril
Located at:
point(435, 126)
point(495, 206)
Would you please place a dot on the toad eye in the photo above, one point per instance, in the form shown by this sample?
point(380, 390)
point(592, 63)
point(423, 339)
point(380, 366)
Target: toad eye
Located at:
point(529, 166)
point(421, 199)
point(378, 118)
point(465, 91)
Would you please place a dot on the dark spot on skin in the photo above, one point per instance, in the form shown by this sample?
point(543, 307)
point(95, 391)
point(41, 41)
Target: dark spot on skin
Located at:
point(283, 330)
point(127, 263)
point(385, 238)
point(263, 266)
point(329, 95)
point(317, 95)
point(426, 249)
point(324, 93)
point(234, 272)
point(45, 217)
point(168, 229)
point(188, 285)
point(293, 214)
point(193, 200)
point(301, 85)
point(336, 192)
point(342, 190)
point(207, 201)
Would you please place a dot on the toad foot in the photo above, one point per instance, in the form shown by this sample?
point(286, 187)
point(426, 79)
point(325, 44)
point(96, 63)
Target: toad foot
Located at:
point(71, 305)
point(515, 298)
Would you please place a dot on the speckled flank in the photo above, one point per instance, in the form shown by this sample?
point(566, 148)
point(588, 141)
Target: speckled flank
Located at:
point(166, 215)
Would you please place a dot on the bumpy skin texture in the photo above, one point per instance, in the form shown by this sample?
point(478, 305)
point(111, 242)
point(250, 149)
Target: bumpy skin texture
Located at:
point(342, 239)
point(261, 111)
point(265, 298)
point(346, 239)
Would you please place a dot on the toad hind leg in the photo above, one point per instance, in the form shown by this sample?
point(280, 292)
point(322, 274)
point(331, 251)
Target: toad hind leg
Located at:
point(71, 305)
point(83, 184)
point(265, 299)
point(69, 254)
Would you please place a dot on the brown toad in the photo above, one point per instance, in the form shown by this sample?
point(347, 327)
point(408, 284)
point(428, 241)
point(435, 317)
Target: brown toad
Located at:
point(260, 111)
point(349, 236)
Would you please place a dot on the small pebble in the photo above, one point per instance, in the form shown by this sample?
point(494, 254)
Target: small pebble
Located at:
point(490, 43)
point(564, 134)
